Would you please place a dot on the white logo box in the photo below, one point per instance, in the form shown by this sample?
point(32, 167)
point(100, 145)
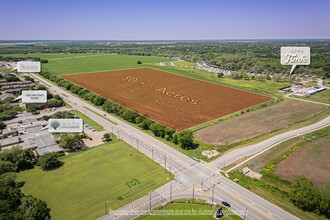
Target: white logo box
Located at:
point(295, 56)
point(34, 96)
point(65, 125)
point(28, 67)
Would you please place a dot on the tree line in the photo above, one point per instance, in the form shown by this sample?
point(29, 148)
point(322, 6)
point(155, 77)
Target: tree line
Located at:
point(249, 56)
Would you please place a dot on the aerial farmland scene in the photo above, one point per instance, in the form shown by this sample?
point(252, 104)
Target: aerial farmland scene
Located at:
point(165, 110)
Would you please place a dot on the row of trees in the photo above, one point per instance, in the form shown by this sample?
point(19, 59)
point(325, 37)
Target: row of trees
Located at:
point(184, 139)
point(17, 159)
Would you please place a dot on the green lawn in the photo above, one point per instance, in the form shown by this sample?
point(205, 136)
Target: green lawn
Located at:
point(98, 63)
point(79, 189)
point(89, 121)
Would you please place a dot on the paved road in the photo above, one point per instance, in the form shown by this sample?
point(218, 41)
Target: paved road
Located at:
point(235, 155)
point(188, 172)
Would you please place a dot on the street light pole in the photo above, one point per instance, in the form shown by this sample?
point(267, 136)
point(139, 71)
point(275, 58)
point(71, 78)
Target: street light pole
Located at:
point(170, 192)
point(193, 193)
point(202, 184)
point(165, 156)
point(150, 201)
point(213, 194)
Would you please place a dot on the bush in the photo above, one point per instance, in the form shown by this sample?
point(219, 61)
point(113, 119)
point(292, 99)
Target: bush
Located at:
point(33, 208)
point(309, 198)
point(6, 166)
point(50, 161)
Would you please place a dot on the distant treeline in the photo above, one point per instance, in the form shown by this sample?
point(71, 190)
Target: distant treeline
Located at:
point(248, 56)
point(17, 59)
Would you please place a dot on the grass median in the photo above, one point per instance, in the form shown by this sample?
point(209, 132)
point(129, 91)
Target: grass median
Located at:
point(87, 120)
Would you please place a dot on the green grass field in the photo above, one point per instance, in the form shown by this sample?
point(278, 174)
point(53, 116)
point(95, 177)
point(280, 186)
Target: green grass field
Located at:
point(79, 189)
point(61, 63)
point(87, 120)
point(97, 63)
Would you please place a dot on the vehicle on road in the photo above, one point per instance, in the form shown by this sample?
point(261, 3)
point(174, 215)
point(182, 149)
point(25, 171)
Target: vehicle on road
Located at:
point(219, 213)
point(225, 204)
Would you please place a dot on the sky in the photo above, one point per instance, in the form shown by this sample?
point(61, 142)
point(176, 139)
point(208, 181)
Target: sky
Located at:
point(164, 19)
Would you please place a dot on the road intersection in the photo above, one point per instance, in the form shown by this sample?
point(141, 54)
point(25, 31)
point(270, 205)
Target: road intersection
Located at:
point(192, 178)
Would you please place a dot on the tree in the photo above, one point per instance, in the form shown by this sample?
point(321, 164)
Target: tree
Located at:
point(21, 159)
point(6, 166)
point(49, 161)
point(33, 208)
point(220, 75)
point(145, 124)
point(2, 125)
point(69, 142)
point(107, 137)
point(129, 115)
point(305, 195)
point(157, 129)
point(185, 139)
point(98, 100)
point(139, 62)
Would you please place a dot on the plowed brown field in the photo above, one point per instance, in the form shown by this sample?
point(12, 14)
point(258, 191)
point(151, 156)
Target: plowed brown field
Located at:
point(175, 101)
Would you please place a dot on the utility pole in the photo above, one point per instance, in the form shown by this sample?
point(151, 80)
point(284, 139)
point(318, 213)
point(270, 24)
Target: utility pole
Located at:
point(152, 153)
point(193, 193)
point(213, 194)
point(137, 145)
point(150, 201)
point(170, 192)
point(165, 156)
point(202, 184)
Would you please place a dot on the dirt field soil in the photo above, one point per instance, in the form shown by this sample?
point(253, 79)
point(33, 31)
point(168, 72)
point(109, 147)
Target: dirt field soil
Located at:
point(175, 101)
point(312, 160)
point(257, 122)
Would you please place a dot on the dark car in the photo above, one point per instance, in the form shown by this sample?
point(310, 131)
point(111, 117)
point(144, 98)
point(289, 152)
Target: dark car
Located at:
point(225, 204)
point(219, 213)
